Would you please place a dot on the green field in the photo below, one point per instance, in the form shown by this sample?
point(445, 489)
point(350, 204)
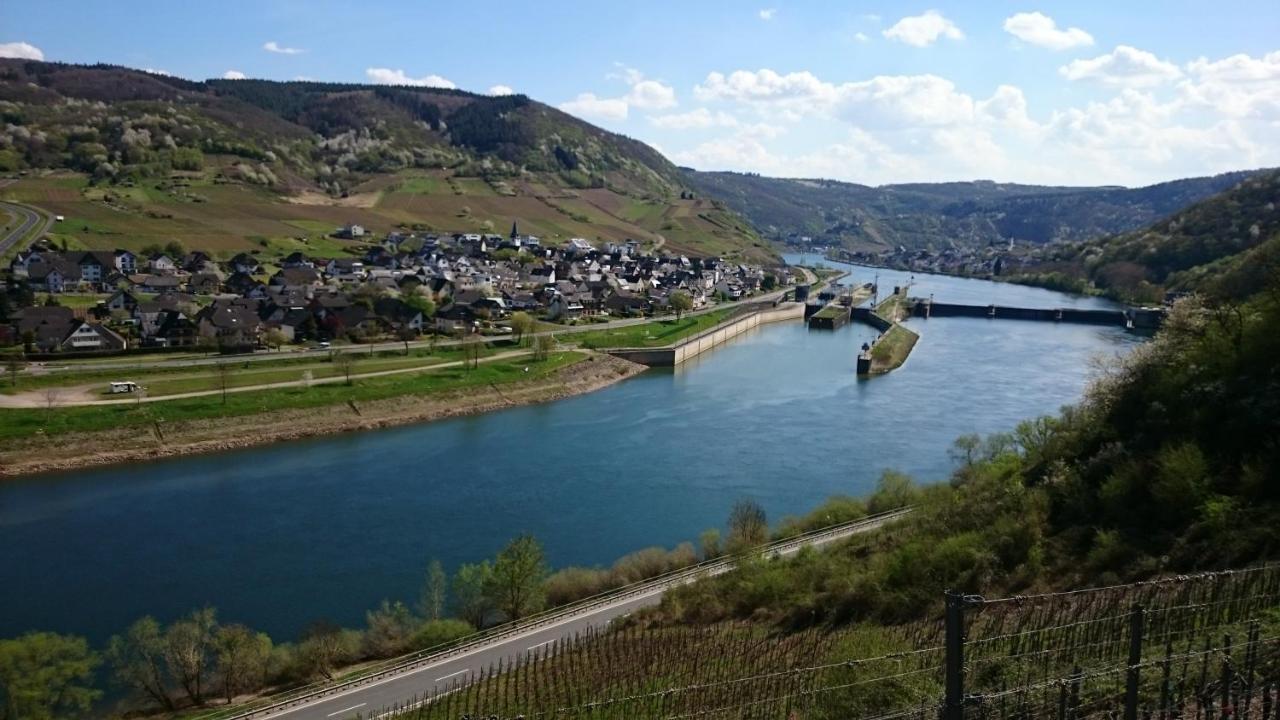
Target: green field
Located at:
point(654, 334)
point(18, 424)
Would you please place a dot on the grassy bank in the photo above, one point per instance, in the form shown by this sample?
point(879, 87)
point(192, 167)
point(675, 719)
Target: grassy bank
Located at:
point(27, 423)
point(892, 349)
point(173, 380)
point(653, 334)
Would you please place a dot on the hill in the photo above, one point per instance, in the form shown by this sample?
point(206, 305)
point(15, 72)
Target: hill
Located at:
point(137, 157)
point(1225, 246)
point(936, 216)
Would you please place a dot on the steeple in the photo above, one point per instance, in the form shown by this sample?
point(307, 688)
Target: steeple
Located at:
point(514, 232)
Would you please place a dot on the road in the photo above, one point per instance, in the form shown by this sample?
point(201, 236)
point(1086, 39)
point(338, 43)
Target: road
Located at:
point(374, 696)
point(28, 219)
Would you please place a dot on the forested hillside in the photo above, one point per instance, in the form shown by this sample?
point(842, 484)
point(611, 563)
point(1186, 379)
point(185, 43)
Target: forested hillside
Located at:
point(334, 152)
point(940, 215)
point(1225, 245)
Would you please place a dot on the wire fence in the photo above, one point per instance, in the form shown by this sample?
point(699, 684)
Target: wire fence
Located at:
point(1202, 647)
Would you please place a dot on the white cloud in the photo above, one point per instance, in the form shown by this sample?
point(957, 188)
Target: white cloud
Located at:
point(154, 71)
point(1239, 86)
point(861, 37)
point(590, 107)
point(274, 47)
point(1040, 30)
point(768, 13)
point(651, 95)
point(387, 76)
point(25, 51)
point(694, 119)
point(501, 90)
point(923, 30)
point(1124, 66)
point(1153, 122)
point(233, 75)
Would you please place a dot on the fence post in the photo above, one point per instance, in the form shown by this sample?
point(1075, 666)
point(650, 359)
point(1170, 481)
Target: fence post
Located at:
point(953, 708)
point(1136, 617)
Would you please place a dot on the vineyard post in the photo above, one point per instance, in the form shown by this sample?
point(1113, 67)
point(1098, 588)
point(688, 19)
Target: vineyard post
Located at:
point(1132, 676)
point(954, 707)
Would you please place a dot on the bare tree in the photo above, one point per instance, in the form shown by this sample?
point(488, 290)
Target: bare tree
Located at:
point(406, 334)
point(345, 362)
point(471, 350)
point(51, 397)
point(542, 346)
point(222, 373)
point(748, 526)
point(13, 364)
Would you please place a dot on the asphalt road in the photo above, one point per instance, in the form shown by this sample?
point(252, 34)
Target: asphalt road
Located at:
point(376, 696)
point(28, 219)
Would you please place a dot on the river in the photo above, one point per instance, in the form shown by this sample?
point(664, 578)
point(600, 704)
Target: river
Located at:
point(278, 536)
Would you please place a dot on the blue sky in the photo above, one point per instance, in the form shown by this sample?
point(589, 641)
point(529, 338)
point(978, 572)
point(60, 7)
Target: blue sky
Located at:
point(1054, 92)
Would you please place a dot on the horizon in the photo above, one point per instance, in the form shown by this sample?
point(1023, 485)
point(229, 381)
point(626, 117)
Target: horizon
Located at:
point(1082, 95)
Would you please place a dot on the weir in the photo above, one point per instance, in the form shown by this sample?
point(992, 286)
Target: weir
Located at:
point(1133, 318)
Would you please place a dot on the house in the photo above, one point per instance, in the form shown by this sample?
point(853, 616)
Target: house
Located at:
point(455, 317)
point(126, 263)
point(350, 232)
point(46, 327)
point(578, 246)
point(244, 263)
point(296, 277)
point(175, 329)
point(162, 265)
point(231, 322)
point(122, 301)
point(91, 336)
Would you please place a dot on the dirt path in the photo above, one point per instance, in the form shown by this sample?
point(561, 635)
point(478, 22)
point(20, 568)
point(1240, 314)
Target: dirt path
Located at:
point(90, 394)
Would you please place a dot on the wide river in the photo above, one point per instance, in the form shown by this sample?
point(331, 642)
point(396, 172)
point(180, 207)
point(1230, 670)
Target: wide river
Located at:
point(279, 536)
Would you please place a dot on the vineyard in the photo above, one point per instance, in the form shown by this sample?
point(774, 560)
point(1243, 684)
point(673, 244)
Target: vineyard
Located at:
point(1202, 646)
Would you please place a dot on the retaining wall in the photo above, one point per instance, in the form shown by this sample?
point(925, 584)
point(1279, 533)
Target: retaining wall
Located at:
point(673, 355)
point(1071, 315)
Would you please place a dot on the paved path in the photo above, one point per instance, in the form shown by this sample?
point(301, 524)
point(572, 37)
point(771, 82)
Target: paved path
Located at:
point(372, 697)
point(83, 395)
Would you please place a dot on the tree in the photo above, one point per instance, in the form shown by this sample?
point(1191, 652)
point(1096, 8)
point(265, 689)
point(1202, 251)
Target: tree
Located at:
point(471, 351)
point(710, 541)
point(518, 576)
point(748, 526)
point(45, 676)
point(137, 660)
point(242, 657)
point(275, 338)
point(189, 651)
point(406, 334)
point(222, 373)
point(390, 629)
point(28, 341)
point(542, 347)
point(324, 647)
point(522, 323)
point(681, 303)
point(435, 592)
point(471, 592)
point(893, 490)
point(345, 363)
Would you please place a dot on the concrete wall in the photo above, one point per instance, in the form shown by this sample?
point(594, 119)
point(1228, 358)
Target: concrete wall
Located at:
point(692, 347)
point(869, 316)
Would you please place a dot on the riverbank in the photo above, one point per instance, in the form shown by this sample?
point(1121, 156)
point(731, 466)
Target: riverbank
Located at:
point(570, 374)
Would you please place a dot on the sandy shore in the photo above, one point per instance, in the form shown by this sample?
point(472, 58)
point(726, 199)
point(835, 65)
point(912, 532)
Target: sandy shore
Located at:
point(80, 450)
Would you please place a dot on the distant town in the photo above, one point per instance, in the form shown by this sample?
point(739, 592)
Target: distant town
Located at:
point(399, 286)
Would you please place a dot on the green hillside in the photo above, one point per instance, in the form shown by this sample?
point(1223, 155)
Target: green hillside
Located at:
point(940, 215)
point(1226, 245)
point(130, 157)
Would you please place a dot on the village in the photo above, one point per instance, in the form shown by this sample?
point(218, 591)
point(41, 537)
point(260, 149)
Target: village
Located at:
point(399, 287)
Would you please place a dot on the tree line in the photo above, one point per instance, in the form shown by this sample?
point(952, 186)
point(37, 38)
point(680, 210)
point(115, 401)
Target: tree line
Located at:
point(198, 659)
